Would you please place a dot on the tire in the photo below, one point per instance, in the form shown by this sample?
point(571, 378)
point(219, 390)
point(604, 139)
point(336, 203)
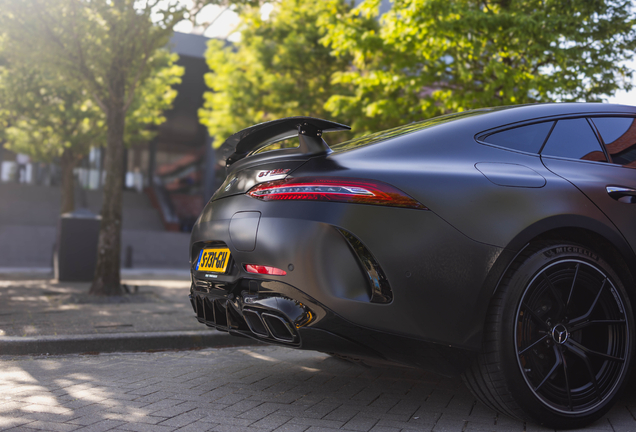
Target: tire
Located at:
point(558, 338)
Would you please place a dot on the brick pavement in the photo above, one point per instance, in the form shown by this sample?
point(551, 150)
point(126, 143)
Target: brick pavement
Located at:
point(258, 389)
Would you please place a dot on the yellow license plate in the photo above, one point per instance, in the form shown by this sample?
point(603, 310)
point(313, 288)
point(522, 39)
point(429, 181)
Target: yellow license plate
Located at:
point(214, 260)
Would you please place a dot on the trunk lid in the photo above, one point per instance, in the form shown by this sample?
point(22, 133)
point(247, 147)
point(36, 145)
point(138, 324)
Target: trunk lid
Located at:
point(247, 163)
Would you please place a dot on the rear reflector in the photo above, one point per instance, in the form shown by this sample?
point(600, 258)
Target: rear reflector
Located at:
point(334, 189)
point(261, 269)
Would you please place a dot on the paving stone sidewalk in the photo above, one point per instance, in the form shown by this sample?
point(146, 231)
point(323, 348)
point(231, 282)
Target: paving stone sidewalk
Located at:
point(256, 389)
point(39, 315)
point(41, 306)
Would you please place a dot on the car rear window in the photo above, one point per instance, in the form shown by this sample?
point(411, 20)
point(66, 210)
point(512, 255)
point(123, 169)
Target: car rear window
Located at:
point(527, 138)
point(619, 136)
point(403, 130)
point(574, 139)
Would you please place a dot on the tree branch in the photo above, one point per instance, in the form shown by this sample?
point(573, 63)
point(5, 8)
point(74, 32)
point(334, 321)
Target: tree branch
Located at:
point(140, 70)
point(211, 23)
point(84, 70)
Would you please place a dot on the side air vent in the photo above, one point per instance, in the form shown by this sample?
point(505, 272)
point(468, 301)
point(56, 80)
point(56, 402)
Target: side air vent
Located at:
point(381, 291)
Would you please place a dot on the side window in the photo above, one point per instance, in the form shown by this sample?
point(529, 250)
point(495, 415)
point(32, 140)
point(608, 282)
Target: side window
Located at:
point(619, 135)
point(574, 139)
point(525, 138)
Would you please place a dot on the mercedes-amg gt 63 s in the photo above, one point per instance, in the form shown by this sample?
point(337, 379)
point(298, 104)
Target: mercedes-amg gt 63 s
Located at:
point(496, 244)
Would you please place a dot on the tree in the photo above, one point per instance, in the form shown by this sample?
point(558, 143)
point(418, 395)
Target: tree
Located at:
point(278, 69)
point(106, 47)
point(50, 120)
point(429, 57)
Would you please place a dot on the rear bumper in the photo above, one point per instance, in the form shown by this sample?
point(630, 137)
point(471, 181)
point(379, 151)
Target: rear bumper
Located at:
point(275, 315)
point(437, 279)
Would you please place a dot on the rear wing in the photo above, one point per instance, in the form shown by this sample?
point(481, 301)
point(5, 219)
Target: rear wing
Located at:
point(309, 130)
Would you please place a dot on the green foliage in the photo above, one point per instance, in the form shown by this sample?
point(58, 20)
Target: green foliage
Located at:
point(48, 103)
point(429, 57)
point(278, 69)
point(62, 60)
point(153, 97)
point(104, 47)
point(43, 115)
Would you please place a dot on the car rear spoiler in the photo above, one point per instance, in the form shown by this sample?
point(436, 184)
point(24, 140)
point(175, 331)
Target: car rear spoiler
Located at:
point(308, 129)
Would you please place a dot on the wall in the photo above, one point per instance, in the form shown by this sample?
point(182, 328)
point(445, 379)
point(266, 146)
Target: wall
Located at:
point(28, 225)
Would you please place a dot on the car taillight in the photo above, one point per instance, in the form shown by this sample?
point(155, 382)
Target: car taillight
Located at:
point(334, 189)
point(261, 269)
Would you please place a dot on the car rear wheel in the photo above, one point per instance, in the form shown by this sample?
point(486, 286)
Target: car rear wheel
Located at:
point(558, 340)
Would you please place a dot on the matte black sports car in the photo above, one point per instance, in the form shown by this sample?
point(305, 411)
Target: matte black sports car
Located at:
point(498, 244)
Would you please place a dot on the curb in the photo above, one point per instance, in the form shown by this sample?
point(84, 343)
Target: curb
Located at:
point(124, 272)
point(118, 342)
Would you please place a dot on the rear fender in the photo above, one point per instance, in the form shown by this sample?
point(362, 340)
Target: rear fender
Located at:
point(574, 228)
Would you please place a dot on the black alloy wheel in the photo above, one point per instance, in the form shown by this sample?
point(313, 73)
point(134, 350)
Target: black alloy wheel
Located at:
point(572, 336)
point(561, 335)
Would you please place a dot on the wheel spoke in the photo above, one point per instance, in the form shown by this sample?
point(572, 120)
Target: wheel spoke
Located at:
point(532, 344)
point(587, 314)
point(581, 354)
point(589, 323)
point(588, 351)
point(536, 317)
point(565, 372)
point(557, 363)
point(555, 293)
point(576, 273)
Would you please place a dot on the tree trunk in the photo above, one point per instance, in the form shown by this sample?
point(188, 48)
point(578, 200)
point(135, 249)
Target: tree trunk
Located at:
point(107, 278)
point(68, 181)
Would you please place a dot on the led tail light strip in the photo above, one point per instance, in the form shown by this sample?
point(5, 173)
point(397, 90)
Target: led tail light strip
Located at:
point(334, 189)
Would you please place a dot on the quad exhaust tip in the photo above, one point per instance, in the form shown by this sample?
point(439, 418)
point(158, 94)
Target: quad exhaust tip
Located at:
point(217, 313)
point(255, 323)
point(265, 324)
point(279, 328)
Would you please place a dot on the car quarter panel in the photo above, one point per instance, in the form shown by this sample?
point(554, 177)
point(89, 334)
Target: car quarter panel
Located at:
point(440, 168)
